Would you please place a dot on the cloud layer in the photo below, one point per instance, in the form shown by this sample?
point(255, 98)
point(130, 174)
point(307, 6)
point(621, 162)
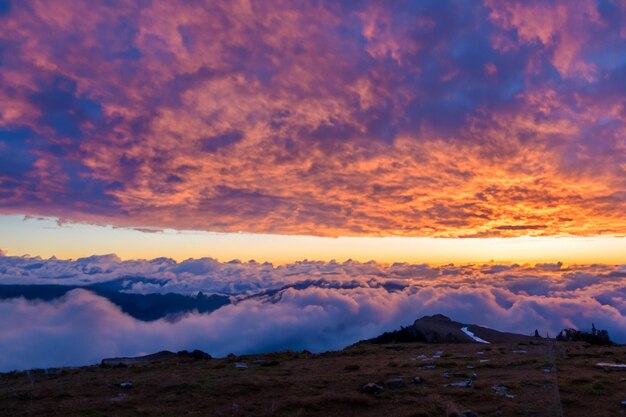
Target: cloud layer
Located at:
point(306, 305)
point(436, 118)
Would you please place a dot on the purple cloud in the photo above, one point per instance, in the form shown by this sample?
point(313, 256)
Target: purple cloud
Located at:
point(433, 119)
point(306, 305)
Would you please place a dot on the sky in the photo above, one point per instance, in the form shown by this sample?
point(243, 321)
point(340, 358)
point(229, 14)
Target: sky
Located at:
point(465, 157)
point(46, 238)
point(460, 120)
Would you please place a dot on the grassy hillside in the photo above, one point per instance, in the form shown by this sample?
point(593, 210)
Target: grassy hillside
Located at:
point(542, 378)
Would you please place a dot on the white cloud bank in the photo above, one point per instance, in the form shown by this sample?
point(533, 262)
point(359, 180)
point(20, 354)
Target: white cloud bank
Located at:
point(343, 304)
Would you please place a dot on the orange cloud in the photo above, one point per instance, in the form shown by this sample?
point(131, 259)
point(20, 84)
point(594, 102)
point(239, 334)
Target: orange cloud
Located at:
point(504, 119)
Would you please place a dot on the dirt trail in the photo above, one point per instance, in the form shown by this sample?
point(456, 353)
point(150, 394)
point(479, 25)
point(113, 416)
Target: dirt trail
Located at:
point(551, 356)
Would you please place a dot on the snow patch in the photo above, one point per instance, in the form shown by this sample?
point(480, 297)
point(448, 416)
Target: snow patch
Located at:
point(472, 335)
point(611, 365)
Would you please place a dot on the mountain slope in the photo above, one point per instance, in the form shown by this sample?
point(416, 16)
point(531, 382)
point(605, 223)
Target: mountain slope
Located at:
point(145, 307)
point(441, 329)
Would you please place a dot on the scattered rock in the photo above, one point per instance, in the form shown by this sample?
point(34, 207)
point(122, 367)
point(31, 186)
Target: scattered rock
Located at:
point(125, 385)
point(395, 383)
point(468, 413)
point(241, 365)
point(418, 380)
point(547, 370)
point(461, 384)
point(259, 361)
point(430, 366)
point(623, 403)
point(372, 388)
point(520, 351)
point(503, 391)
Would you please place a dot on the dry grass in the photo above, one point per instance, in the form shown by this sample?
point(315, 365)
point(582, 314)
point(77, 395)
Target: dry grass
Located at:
point(329, 385)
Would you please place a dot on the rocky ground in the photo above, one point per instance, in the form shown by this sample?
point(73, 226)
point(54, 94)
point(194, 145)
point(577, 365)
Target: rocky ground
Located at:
point(536, 378)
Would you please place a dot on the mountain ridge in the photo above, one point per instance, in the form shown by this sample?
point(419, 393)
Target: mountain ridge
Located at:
point(439, 328)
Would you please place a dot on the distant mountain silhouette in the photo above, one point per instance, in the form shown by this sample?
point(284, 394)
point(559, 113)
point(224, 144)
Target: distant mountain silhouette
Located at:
point(274, 295)
point(442, 329)
point(145, 307)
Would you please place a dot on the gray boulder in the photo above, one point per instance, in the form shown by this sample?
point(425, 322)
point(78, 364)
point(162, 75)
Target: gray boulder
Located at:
point(372, 388)
point(395, 383)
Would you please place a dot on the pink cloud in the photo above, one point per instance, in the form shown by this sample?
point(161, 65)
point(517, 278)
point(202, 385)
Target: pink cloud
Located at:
point(316, 117)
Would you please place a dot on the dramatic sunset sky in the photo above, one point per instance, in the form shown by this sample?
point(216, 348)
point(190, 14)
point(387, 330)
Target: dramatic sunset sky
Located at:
point(270, 121)
point(473, 151)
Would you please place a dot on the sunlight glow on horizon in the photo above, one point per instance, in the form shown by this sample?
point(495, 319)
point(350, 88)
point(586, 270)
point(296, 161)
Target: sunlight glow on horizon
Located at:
point(45, 238)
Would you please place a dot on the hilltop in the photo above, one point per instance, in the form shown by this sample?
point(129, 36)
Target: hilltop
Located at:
point(441, 329)
point(511, 375)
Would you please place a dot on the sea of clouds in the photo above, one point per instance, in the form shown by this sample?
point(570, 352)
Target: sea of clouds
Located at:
point(305, 305)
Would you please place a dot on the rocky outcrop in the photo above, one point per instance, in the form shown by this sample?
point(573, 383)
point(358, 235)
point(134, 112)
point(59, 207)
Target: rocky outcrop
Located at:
point(153, 358)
